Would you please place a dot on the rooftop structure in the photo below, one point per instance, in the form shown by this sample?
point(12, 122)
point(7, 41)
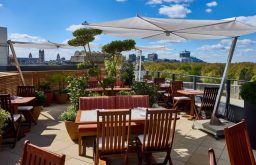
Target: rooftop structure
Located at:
point(185, 57)
point(4, 51)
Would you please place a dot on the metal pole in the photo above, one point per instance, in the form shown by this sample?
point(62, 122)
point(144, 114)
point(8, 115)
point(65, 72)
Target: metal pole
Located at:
point(16, 62)
point(214, 119)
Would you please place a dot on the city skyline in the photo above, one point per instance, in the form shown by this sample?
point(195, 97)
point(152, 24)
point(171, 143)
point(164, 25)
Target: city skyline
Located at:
point(55, 21)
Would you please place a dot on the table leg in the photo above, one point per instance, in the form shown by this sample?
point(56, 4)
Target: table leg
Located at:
point(192, 107)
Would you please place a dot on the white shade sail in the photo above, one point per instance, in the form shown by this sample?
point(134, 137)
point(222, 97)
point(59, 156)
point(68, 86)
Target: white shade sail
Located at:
point(43, 45)
point(173, 29)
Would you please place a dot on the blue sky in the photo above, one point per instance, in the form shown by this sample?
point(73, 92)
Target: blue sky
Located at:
point(34, 20)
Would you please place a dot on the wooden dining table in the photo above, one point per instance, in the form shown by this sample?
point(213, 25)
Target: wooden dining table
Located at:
point(191, 93)
point(138, 115)
point(18, 101)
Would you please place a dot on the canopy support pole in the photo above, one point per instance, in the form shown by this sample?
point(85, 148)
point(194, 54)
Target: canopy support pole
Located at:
point(16, 62)
point(214, 119)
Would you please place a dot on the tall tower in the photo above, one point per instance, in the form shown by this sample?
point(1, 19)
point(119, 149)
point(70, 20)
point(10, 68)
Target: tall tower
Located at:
point(58, 57)
point(30, 55)
point(41, 56)
point(4, 51)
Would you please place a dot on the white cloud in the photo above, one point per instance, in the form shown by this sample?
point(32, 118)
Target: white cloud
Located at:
point(174, 11)
point(1, 5)
point(212, 4)
point(208, 10)
point(212, 47)
point(153, 2)
point(250, 20)
point(26, 38)
point(249, 50)
point(121, 0)
point(74, 27)
point(240, 42)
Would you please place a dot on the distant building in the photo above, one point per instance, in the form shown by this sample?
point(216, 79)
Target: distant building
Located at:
point(28, 61)
point(96, 57)
point(4, 51)
point(132, 57)
point(152, 57)
point(142, 58)
point(41, 56)
point(185, 57)
point(58, 58)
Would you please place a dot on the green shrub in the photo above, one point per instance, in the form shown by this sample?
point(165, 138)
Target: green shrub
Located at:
point(126, 93)
point(248, 91)
point(40, 98)
point(3, 118)
point(143, 88)
point(69, 114)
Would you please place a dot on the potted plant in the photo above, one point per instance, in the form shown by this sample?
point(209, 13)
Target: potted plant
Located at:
point(3, 118)
point(47, 92)
point(39, 102)
point(61, 95)
point(248, 94)
point(69, 117)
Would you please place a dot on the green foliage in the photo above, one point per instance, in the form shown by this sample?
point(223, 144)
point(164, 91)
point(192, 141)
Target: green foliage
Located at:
point(3, 118)
point(248, 91)
point(246, 74)
point(83, 36)
point(40, 98)
point(253, 78)
point(116, 47)
point(143, 88)
point(110, 67)
point(69, 114)
point(126, 93)
point(59, 79)
point(94, 94)
point(45, 86)
point(127, 73)
point(108, 81)
point(76, 88)
point(85, 65)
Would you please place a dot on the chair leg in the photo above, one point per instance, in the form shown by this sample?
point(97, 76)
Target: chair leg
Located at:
point(139, 154)
point(16, 130)
point(167, 158)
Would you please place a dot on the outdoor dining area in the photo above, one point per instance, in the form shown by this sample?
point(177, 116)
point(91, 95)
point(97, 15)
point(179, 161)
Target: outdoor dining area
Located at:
point(114, 128)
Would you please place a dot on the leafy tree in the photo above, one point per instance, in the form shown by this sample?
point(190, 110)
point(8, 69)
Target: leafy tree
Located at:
point(246, 74)
point(127, 73)
point(114, 49)
point(83, 37)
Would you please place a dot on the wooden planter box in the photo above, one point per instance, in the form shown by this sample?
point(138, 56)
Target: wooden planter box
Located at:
point(71, 127)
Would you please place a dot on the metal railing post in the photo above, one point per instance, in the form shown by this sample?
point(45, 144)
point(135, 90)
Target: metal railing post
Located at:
point(158, 74)
point(173, 77)
point(228, 94)
point(194, 82)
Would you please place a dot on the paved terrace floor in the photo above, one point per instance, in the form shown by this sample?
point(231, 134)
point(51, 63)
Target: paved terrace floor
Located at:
point(190, 146)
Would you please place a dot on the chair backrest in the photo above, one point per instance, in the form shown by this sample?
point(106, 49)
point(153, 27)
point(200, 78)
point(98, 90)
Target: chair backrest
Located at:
point(5, 103)
point(208, 100)
point(176, 85)
point(97, 102)
point(238, 144)
point(158, 81)
point(159, 129)
point(33, 154)
point(211, 155)
point(26, 91)
point(113, 131)
point(134, 101)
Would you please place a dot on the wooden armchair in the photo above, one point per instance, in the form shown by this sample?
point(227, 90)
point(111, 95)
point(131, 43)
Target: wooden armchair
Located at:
point(238, 144)
point(33, 154)
point(158, 134)
point(211, 155)
point(205, 108)
point(27, 110)
point(113, 134)
point(176, 97)
point(14, 122)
